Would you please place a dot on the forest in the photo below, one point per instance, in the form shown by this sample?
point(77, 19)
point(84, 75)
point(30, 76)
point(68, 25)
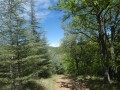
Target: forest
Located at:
point(88, 57)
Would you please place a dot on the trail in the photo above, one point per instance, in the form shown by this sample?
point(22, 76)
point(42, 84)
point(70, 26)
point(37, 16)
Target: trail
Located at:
point(65, 83)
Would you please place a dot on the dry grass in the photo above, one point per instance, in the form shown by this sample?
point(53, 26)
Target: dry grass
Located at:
point(48, 83)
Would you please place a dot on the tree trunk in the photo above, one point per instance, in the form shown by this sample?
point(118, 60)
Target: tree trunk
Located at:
point(102, 39)
point(107, 76)
point(77, 67)
point(113, 52)
point(20, 85)
point(13, 87)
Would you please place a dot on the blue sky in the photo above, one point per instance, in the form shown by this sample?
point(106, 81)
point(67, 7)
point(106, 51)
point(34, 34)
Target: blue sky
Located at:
point(51, 21)
point(52, 26)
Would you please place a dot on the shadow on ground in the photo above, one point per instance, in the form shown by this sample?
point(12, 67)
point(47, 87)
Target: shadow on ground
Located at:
point(71, 85)
point(88, 84)
point(96, 84)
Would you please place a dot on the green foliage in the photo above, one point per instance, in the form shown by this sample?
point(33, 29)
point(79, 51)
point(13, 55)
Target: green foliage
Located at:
point(69, 64)
point(87, 57)
point(23, 52)
point(56, 60)
point(87, 24)
point(33, 85)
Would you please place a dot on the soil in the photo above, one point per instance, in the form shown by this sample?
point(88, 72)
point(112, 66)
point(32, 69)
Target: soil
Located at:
point(65, 83)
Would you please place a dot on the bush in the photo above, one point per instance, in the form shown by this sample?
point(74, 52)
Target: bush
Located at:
point(33, 85)
point(44, 73)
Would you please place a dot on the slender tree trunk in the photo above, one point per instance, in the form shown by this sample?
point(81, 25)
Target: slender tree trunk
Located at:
point(13, 87)
point(76, 59)
point(114, 68)
point(19, 63)
point(103, 46)
point(20, 85)
point(76, 66)
point(19, 76)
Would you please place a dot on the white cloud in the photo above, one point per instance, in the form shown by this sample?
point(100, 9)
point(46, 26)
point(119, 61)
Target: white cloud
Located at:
point(54, 44)
point(43, 3)
point(42, 14)
point(41, 7)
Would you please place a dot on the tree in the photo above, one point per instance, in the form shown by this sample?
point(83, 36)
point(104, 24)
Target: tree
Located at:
point(13, 29)
point(39, 39)
point(81, 54)
point(25, 57)
point(34, 22)
point(93, 16)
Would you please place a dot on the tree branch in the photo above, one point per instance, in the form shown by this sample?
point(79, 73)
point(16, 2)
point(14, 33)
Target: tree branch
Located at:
point(83, 34)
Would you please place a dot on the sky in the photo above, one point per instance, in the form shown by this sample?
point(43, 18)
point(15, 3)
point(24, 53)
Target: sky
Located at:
point(51, 21)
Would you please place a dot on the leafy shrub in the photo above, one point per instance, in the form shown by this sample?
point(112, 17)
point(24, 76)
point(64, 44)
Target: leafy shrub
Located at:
point(45, 73)
point(33, 85)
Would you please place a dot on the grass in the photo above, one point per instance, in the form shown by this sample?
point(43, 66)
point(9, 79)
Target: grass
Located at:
point(85, 83)
point(49, 83)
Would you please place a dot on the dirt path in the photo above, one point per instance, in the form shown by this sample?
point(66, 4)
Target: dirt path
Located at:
point(64, 83)
point(57, 82)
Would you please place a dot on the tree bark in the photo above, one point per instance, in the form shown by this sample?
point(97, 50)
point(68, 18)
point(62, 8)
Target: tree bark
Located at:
point(13, 86)
point(103, 46)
